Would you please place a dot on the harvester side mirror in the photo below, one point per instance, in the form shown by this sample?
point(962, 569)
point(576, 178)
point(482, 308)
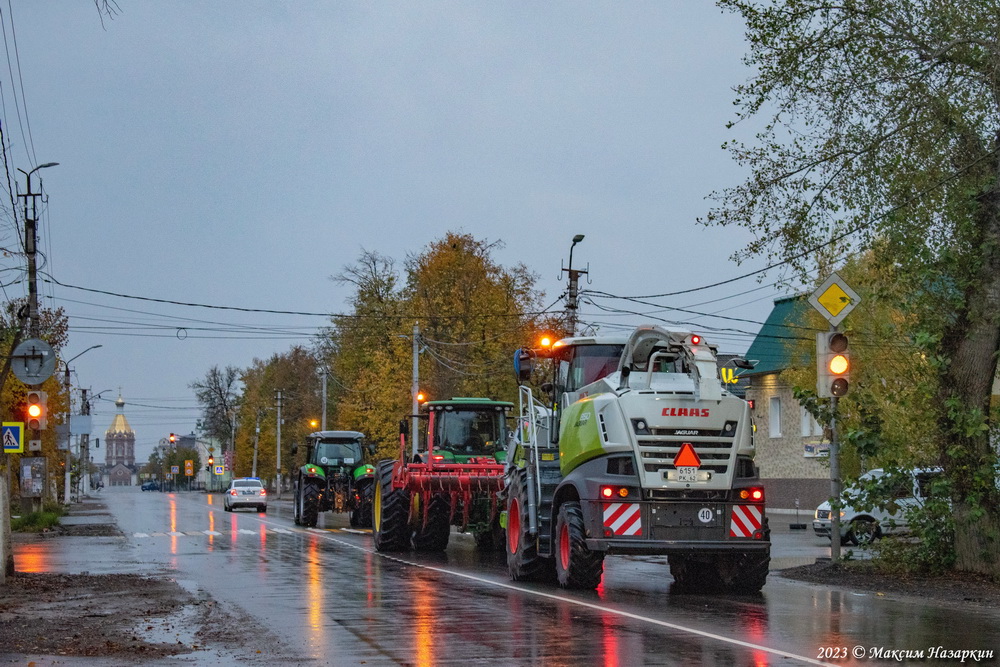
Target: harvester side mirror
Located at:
point(547, 388)
point(626, 371)
point(523, 364)
point(402, 427)
point(745, 364)
point(295, 448)
point(371, 448)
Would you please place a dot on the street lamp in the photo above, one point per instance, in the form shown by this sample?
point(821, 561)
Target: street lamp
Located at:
point(574, 277)
point(69, 435)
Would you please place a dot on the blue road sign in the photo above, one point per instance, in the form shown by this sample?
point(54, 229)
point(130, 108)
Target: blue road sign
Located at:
point(12, 435)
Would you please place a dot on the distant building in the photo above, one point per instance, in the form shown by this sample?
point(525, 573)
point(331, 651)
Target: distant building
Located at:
point(792, 451)
point(119, 461)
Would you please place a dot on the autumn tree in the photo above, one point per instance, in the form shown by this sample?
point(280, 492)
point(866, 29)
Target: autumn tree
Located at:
point(473, 314)
point(294, 373)
point(368, 353)
point(881, 125)
point(218, 394)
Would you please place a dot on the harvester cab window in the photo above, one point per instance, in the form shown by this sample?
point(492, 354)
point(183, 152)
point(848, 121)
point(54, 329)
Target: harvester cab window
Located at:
point(590, 363)
point(342, 452)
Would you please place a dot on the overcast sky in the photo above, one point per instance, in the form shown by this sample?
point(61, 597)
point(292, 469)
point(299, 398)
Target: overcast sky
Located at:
point(240, 152)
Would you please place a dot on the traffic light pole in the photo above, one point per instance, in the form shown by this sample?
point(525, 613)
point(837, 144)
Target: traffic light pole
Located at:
point(835, 484)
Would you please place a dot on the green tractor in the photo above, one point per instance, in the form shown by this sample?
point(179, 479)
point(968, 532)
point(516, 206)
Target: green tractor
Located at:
point(335, 478)
point(450, 476)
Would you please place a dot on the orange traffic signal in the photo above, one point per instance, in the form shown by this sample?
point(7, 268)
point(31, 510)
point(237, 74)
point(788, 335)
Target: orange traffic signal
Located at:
point(35, 411)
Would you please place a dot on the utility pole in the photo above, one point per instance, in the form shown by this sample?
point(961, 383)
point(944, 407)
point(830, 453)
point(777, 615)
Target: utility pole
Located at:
point(256, 441)
point(84, 447)
point(69, 443)
point(31, 247)
point(278, 427)
point(325, 371)
point(415, 388)
point(574, 281)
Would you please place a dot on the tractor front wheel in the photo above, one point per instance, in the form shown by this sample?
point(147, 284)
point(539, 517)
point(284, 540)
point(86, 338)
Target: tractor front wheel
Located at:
point(433, 535)
point(391, 512)
point(576, 565)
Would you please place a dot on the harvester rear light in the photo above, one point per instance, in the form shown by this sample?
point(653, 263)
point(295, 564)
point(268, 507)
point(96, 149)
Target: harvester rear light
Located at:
point(754, 494)
point(696, 339)
point(609, 492)
point(437, 458)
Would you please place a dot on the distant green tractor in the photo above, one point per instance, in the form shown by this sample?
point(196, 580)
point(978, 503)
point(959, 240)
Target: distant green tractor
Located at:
point(335, 478)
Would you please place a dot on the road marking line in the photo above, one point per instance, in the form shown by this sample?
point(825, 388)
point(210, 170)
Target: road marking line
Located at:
point(140, 535)
point(589, 605)
point(211, 532)
point(175, 533)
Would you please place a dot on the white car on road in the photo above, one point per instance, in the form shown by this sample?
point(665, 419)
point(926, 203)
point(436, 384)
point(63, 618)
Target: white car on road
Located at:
point(245, 492)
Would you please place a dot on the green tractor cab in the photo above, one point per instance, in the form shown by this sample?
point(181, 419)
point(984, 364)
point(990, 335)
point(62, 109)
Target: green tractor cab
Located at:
point(335, 478)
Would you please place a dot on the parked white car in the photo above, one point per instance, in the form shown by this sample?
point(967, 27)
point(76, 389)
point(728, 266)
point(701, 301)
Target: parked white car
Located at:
point(860, 525)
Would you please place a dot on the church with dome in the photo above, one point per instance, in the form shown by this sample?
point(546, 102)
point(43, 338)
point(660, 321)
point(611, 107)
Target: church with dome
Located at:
point(119, 458)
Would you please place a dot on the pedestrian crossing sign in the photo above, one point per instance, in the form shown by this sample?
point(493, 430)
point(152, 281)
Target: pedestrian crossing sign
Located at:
point(12, 435)
point(220, 470)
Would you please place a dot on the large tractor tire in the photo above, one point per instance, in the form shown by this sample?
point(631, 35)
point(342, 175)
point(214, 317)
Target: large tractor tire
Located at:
point(310, 505)
point(523, 561)
point(296, 503)
point(433, 536)
point(361, 516)
point(390, 513)
point(576, 565)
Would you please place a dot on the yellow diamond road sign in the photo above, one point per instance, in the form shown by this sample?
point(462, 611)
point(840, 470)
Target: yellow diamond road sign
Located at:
point(834, 299)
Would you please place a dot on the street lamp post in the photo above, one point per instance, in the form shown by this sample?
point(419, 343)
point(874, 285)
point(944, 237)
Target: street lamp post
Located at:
point(574, 278)
point(69, 434)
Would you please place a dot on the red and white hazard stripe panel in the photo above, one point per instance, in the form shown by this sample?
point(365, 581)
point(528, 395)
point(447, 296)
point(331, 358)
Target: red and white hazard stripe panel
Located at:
point(745, 520)
point(623, 519)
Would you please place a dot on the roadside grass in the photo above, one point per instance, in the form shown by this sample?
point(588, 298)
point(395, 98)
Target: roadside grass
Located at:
point(37, 522)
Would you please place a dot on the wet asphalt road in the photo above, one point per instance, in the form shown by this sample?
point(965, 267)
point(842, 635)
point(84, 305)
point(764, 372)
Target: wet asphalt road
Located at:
point(334, 600)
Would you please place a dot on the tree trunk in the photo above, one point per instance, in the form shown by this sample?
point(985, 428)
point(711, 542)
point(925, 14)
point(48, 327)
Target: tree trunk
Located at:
point(977, 540)
point(965, 393)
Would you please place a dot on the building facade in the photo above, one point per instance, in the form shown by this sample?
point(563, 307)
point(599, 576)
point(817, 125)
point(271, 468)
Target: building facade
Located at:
point(792, 448)
point(119, 453)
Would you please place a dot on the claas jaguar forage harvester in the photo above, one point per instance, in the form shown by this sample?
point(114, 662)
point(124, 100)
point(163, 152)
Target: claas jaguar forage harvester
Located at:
point(451, 476)
point(638, 449)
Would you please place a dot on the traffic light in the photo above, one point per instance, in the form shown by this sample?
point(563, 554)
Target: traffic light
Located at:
point(833, 364)
point(173, 439)
point(36, 412)
point(211, 462)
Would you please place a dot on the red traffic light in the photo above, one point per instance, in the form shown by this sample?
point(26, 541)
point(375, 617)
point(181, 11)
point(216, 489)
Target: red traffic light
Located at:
point(173, 438)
